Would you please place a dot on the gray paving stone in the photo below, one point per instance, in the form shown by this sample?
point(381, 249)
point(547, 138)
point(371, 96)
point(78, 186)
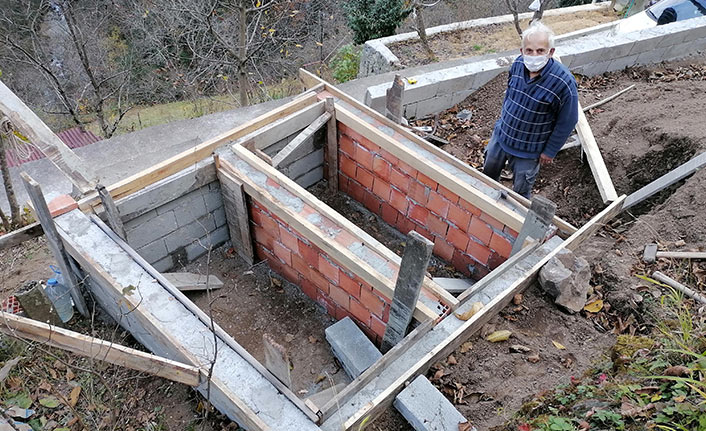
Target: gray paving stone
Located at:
point(350, 345)
point(426, 409)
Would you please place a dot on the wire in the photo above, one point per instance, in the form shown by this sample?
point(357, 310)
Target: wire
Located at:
point(21, 149)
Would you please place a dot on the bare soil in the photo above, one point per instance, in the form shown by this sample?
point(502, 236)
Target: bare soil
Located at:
point(491, 38)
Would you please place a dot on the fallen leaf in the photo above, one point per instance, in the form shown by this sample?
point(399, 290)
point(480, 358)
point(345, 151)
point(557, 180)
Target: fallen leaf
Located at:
point(679, 398)
point(464, 426)
point(438, 375)
point(73, 397)
point(465, 347)
point(475, 307)
point(49, 402)
point(313, 339)
point(594, 306)
point(451, 360)
point(320, 378)
point(558, 345)
point(524, 427)
point(677, 371)
point(498, 336)
point(70, 375)
point(533, 358)
point(289, 338)
point(5, 370)
point(517, 299)
point(21, 400)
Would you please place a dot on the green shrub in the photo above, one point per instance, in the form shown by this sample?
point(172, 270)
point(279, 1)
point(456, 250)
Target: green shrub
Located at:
point(346, 62)
point(372, 19)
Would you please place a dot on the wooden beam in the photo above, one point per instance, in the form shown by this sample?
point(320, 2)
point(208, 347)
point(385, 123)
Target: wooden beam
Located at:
point(201, 315)
point(94, 348)
point(311, 80)
point(413, 268)
point(331, 147)
point(55, 245)
point(285, 127)
point(382, 284)
point(114, 220)
point(393, 100)
point(463, 332)
point(191, 156)
point(28, 124)
point(133, 313)
point(20, 235)
point(666, 180)
point(290, 152)
point(237, 214)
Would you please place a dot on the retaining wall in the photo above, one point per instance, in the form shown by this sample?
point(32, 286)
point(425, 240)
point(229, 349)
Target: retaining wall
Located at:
point(377, 58)
point(470, 239)
point(174, 220)
point(592, 55)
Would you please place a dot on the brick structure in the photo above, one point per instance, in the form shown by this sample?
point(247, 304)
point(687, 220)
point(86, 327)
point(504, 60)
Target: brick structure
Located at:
point(320, 277)
point(470, 239)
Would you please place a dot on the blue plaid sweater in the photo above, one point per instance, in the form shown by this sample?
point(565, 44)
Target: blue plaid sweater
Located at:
point(538, 114)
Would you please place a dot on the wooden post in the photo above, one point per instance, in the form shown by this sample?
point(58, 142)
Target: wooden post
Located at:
point(237, 215)
point(332, 146)
point(413, 269)
point(538, 220)
point(111, 211)
point(393, 100)
point(57, 247)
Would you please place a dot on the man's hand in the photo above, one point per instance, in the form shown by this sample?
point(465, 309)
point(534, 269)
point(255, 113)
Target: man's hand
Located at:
point(545, 160)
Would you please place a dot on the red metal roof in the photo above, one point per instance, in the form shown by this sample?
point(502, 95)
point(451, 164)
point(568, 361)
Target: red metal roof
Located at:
point(73, 138)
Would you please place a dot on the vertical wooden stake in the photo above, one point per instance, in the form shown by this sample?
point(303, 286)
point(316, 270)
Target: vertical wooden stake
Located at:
point(237, 215)
point(537, 222)
point(57, 247)
point(111, 211)
point(413, 269)
point(331, 146)
point(393, 100)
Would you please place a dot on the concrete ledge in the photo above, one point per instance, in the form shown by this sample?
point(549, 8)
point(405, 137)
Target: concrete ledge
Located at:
point(350, 345)
point(426, 409)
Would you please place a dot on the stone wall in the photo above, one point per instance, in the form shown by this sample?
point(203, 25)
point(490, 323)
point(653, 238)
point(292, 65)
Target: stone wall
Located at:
point(174, 220)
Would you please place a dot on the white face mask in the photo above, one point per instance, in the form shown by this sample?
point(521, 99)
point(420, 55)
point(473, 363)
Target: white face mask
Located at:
point(535, 63)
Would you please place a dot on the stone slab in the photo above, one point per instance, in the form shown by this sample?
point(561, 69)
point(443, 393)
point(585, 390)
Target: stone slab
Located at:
point(350, 345)
point(426, 409)
point(454, 285)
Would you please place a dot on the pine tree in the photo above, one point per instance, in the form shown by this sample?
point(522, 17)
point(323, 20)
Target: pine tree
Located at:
point(372, 19)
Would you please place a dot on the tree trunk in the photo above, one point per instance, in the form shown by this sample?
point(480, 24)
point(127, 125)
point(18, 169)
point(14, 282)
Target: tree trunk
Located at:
point(9, 190)
point(512, 6)
point(539, 13)
point(243, 54)
point(422, 30)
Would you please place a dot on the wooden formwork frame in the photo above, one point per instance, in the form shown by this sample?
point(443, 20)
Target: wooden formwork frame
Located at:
point(288, 118)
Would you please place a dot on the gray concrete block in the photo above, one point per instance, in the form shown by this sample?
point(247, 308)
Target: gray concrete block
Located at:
point(214, 239)
point(164, 265)
point(219, 217)
point(133, 223)
point(186, 208)
point(186, 235)
point(434, 105)
point(213, 198)
point(167, 190)
point(622, 63)
point(593, 69)
point(651, 57)
point(696, 33)
point(310, 178)
point(672, 39)
point(350, 345)
point(410, 111)
point(304, 164)
point(153, 251)
point(426, 409)
point(149, 229)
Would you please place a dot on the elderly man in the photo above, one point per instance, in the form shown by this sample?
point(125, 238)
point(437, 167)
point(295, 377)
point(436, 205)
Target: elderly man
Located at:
point(539, 112)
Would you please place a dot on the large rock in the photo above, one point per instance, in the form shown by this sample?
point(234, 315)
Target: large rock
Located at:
point(566, 279)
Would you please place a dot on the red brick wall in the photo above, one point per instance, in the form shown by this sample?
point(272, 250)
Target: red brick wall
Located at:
point(321, 278)
point(472, 241)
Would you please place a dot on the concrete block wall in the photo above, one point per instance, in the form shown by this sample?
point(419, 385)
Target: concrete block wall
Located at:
point(307, 169)
point(174, 220)
point(591, 55)
point(320, 277)
point(472, 241)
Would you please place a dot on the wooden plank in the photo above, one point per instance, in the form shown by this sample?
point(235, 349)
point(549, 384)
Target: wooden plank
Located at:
point(201, 315)
point(39, 134)
point(111, 211)
point(666, 180)
point(456, 338)
point(311, 80)
point(187, 282)
point(413, 268)
point(393, 100)
point(55, 245)
point(287, 126)
point(21, 235)
point(331, 147)
point(102, 281)
point(537, 222)
point(382, 284)
point(193, 155)
point(101, 350)
point(277, 360)
point(237, 215)
point(290, 152)
point(485, 203)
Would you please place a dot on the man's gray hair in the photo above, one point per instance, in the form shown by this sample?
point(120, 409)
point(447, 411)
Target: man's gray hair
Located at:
point(538, 27)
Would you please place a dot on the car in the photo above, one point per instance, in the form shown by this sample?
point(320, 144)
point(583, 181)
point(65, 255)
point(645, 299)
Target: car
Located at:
point(660, 13)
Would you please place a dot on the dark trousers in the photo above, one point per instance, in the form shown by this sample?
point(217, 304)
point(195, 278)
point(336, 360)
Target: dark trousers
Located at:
point(524, 170)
